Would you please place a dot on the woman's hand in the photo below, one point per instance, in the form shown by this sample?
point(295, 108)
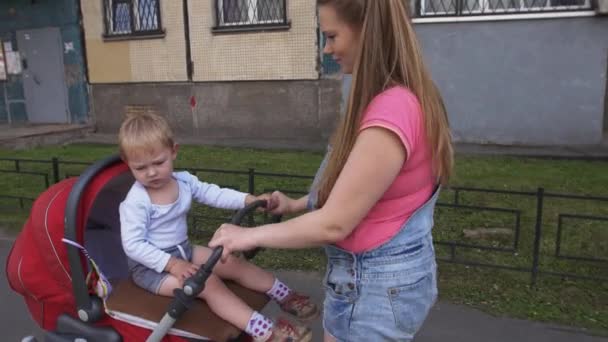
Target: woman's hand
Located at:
point(233, 239)
point(282, 204)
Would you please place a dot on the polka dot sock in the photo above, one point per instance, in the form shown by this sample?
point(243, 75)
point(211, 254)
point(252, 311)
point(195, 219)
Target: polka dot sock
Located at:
point(259, 327)
point(279, 291)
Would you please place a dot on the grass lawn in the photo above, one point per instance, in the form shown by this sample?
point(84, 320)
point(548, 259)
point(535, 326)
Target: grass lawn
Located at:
point(556, 299)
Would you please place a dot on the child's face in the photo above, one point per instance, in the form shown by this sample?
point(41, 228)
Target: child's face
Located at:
point(152, 168)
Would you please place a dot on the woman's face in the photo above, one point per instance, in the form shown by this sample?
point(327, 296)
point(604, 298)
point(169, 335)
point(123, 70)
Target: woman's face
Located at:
point(341, 40)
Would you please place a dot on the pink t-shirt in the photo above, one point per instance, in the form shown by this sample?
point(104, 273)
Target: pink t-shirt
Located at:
point(398, 110)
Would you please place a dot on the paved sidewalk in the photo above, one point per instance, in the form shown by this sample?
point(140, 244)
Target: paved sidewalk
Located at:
point(447, 322)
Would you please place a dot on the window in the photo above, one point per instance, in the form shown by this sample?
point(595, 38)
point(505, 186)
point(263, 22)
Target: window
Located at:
point(235, 13)
point(427, 8)
point(132, 17)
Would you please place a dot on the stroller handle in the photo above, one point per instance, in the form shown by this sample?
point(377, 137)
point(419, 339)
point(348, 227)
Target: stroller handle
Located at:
point(196, 283)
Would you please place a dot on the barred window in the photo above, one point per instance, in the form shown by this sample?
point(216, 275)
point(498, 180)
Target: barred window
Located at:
point(132, 17)
point(232, 13)
point(426, 8)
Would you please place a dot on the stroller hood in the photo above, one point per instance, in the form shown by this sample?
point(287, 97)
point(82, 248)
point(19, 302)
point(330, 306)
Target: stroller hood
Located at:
point(38, 267)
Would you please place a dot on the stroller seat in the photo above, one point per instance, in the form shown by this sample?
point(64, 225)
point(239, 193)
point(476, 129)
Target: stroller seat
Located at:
point(131, 300)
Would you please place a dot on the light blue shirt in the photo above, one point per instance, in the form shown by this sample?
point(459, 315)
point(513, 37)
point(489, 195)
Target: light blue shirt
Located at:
point(147, 228)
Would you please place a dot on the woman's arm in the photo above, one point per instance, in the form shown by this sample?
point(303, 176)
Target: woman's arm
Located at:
point(373, 164)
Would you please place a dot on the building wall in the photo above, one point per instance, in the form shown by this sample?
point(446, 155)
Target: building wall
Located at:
point(265, 114)
point(272, 55)
point(530, 82)
point(24, 15)
point(274, 97)
point(521, 82)
point(136, 60)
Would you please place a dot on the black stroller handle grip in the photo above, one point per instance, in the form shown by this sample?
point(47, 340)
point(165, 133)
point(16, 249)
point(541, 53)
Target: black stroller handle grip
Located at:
point(196, 283)
point(238, 217)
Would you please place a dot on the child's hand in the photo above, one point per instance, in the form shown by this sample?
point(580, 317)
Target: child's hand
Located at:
point(270, 202)
point(182, 269)
point(281, 203)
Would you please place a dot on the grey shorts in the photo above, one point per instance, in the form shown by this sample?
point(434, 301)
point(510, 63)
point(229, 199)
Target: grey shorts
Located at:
point(148, 278)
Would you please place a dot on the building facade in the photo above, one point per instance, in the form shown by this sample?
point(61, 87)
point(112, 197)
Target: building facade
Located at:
point(42, 67)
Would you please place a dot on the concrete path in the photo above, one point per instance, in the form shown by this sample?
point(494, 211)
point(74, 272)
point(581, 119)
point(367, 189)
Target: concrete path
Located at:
point(449, 322)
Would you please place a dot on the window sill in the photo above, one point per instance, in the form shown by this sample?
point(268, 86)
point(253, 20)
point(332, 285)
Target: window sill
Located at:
point(502, 17)
point(250, 28)
point(134, 36)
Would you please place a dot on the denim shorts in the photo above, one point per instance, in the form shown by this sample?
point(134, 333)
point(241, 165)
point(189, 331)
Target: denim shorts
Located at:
point(151, 280)
point(384, 294)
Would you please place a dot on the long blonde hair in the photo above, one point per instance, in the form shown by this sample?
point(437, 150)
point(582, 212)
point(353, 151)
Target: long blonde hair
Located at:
point(388, 55)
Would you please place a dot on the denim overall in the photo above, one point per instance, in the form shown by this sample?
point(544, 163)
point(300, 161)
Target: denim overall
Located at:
point(386, 293)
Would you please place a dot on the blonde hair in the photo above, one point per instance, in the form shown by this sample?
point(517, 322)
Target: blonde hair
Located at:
point(142, 132)
point(388, 55)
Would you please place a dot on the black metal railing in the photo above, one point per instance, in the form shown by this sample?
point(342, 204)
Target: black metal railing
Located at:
point(132, 17)
point(252, 14)
point(560, 234)
point(447, 8)
point(551, 234)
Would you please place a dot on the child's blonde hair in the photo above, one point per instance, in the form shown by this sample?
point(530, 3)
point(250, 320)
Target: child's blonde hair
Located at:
point(144, 131)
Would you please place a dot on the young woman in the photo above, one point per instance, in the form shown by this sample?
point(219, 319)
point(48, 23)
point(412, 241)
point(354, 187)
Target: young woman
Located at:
point(373, 198)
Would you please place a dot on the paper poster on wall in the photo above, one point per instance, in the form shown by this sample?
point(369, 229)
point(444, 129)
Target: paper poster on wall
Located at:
point(2, 65)
point(13, 63)
point(68, 47)
point(8, 46)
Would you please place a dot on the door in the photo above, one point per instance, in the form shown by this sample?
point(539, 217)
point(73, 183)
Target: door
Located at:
point(46, 98)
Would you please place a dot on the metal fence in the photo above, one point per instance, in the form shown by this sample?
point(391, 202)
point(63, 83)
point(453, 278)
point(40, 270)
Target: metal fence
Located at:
point(549, 234)
point(536, 261)
point(448, 8)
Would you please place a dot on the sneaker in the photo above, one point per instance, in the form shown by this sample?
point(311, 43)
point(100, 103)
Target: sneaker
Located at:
point(299, 306)
point(285, 331)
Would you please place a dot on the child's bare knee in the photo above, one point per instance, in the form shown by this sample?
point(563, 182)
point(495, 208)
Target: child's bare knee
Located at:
point(233, 260)
point(212, 284)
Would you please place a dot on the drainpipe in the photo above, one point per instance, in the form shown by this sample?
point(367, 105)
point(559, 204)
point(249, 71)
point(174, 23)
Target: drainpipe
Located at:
point(189, 63)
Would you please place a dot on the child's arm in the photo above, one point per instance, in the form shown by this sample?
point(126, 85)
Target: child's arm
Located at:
point(214, 196)
point(133, 229)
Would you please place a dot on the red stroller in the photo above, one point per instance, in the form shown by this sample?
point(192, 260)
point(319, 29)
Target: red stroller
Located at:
point(70, 245)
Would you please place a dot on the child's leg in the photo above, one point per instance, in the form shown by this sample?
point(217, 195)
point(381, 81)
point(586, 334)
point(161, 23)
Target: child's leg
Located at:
point(220, 299)
point(231, 308)
point(237, 269)
point(255, 278)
